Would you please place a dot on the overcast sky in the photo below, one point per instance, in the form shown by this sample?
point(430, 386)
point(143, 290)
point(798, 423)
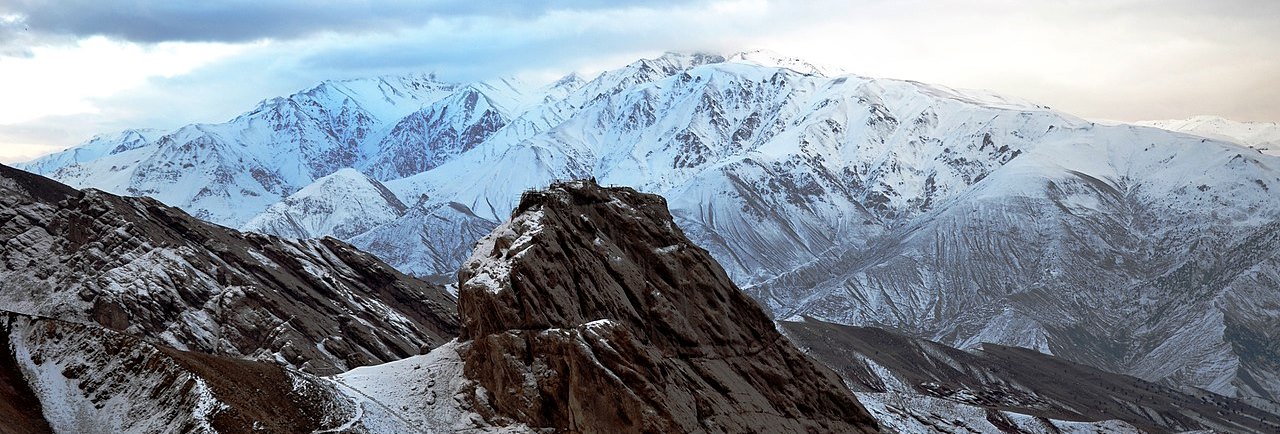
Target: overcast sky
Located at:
point(73, 68)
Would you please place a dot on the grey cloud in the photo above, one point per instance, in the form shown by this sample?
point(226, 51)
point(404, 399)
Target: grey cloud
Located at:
point(150, 21)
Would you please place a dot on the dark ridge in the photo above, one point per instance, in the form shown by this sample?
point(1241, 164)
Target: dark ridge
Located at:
point(253, 396)
point(39, 187)
point(1020, 380)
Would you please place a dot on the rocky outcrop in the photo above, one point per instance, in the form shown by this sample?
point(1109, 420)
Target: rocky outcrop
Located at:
point(137, 266)
point(591, 312)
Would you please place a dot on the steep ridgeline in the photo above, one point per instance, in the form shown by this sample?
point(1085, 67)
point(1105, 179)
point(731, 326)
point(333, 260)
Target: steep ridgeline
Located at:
point(893, 373)
point(589, 311)
point(79, 378)
point(145, 269)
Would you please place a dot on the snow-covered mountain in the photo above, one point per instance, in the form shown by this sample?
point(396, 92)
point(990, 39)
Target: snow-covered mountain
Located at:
point(1138, 252)
point(959, 216)
point(227, 173)
point(97, 147)
point(343, 204)
point(443, 129)
point(1263, 136)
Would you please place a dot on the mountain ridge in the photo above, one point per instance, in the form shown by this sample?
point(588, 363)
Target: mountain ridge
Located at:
point(954, 215)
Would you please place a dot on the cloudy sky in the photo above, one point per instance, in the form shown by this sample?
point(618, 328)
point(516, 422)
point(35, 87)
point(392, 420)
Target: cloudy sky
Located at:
point(73, 68)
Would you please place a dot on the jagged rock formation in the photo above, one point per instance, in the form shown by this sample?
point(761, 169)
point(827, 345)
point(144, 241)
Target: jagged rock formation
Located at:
point(137, 266)
point(591, 312)
point(887, 367)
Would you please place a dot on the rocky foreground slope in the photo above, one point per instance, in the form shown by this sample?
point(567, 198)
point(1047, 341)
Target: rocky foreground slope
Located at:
point(139, 267)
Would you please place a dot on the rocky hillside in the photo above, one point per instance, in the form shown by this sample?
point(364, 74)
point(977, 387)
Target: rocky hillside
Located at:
point(139, 267)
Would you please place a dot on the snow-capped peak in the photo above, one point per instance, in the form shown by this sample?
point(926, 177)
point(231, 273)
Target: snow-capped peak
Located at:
point(768, 58)
point(343, 204)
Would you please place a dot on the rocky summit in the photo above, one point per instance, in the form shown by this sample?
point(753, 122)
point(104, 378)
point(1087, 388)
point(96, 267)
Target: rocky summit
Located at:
point(590, 311)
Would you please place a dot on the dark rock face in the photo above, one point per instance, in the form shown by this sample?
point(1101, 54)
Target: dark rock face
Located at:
point(591, 312)
point(19, 406)
point(1017, 379)
point(137, 266)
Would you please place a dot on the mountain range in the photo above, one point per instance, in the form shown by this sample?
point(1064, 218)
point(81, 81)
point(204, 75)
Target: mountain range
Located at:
point(957, 216)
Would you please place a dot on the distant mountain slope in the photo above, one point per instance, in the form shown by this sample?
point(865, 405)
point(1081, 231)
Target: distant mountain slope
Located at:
point(426, 239)
point(886, 366)
point(343, 204)
point(228, 172)
point(1143, 254)
point(137, 266)
point(1263, 136)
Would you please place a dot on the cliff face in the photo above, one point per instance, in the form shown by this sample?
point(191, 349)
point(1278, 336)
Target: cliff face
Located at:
point(590, 311)
point(139, 267)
